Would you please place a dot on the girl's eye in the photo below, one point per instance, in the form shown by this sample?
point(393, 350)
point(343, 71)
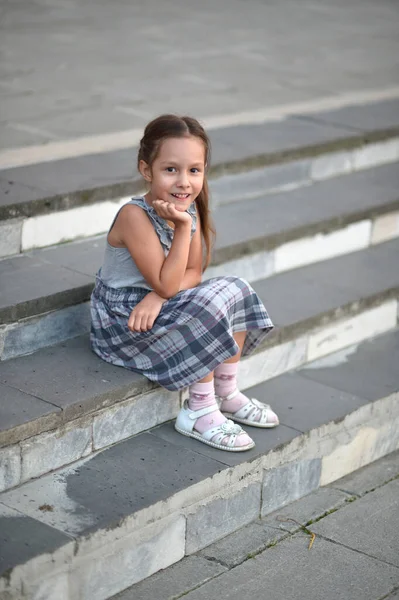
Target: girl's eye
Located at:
point(195, 170)
point(170, 169)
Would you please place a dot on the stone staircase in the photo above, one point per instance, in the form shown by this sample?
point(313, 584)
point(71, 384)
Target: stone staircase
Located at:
point(95, 493)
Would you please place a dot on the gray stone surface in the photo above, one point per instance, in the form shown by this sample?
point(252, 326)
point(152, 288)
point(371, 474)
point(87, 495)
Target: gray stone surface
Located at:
point(371, 372)
point(383, 115)
point(265, 441)
point(29, 335)
point(370, 477)
point(289, 571)
point(303, 404)
point(327, 286)
point(17, 412)
point(10, 462)
point(255, 537)
point(172, 582)
point(287, 483)
point(217, 518)
point(232, 57)
point(10, 237)
point(368, 525)
point(326, 201)
point(23, 538)
point(35, 287)
point(112, 485)
point(72, 377)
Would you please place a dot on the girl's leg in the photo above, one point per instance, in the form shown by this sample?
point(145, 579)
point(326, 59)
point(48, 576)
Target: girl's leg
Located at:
point(202, 395)
point(226, 385)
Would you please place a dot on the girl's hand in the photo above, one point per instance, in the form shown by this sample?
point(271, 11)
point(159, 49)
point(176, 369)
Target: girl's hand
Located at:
point(169, 212)
point(143, 315)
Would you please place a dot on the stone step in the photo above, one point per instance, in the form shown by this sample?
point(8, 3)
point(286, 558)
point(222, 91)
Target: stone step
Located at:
point(49, 203)
point(63, 403)
point(45, 299)
point(113, 519)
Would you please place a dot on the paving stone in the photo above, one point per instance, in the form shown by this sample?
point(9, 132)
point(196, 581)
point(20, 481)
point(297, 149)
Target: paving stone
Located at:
point(325, 286)
point(289, 482)
point(355, 376)
point(368, 525)
point(220, 516)
point(366, 117)
point(23, 538)
point(10, 463)
point(72, 377)
point(265, 441)
point(293, 572)
point(32, 284)
point(48, 451)
point(10, 237)
point(113, 484)
point(306, 509)
point(243, 544)
point(370, 477)
point(304, 404)
point(29, 335)
point(22, 411)
point(84, 256)
point(255, 537)
point(171, 583)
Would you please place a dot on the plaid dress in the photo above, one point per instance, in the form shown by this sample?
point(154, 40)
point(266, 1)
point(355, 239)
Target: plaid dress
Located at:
point(193, 333)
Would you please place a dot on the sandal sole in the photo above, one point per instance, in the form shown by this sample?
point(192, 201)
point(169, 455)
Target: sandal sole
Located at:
point(212, 444)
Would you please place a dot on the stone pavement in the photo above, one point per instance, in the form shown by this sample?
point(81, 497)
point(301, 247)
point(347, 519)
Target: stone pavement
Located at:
point(72, 69)
point(354, 554)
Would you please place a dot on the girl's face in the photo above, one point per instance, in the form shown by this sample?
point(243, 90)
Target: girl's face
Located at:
point(177, 174)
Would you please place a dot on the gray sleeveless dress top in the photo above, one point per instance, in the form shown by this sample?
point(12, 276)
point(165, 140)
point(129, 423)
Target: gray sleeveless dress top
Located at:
point(119, 269)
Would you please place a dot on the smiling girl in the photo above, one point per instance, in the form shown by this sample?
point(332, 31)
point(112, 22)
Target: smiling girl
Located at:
point(151, 313)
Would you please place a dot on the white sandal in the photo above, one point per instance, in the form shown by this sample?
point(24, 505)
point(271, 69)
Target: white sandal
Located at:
point(185, 425)
point(247, 413)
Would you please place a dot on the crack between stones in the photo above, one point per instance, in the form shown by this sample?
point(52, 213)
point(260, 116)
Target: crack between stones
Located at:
point(381, 560)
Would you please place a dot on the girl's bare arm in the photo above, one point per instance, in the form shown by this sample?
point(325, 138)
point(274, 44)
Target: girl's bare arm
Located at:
point(165, 275)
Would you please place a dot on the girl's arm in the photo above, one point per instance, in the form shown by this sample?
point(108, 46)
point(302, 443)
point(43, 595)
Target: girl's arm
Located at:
point(193, 275)
point(134, 229)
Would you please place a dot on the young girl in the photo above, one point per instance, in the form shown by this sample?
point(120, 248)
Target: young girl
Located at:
point(150, 311)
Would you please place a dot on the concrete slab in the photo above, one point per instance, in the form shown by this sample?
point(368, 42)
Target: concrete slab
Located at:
point(303, 404)
point(290, 571)
point(112, 485)
point(355, 376)
point(33, 286)
point(324, 286)
point(172, 582)
point(368, 525)
point(23, 538)
point(256, 537)
point(265, 440)
point(370, 477)
point(365, 118)
point(17, 412)
point(72, 377)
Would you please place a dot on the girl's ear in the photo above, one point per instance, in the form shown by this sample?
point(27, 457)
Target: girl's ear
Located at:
point(145, 170)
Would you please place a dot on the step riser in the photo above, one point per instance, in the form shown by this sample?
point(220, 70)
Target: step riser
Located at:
point(22, 234)
point(40, 454)
point(28, 335)
point(109, 561)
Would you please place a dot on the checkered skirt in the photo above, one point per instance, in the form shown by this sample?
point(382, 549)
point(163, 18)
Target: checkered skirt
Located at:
point(192, 335)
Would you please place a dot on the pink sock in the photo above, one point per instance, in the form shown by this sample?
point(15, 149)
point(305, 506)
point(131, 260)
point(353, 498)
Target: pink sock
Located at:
point(225, 384)
point(202, 395)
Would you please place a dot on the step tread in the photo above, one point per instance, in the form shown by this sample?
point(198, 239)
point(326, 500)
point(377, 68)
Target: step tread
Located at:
point(61, 276)
point(139, 472)
point(44, 187)
point(70, 377)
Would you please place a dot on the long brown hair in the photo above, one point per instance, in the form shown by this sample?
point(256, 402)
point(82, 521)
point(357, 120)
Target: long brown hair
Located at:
point(169, 126)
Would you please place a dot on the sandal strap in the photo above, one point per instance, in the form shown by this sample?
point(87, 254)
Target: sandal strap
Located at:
point(226, 429)
point(196, 414)
point(251, 406)
point(230, 396)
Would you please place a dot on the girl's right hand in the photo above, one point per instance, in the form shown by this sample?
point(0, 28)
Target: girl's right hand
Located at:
point(169, 212)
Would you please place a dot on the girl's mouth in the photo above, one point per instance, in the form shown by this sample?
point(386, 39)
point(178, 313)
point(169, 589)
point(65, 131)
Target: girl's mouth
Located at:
point(181, 197)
